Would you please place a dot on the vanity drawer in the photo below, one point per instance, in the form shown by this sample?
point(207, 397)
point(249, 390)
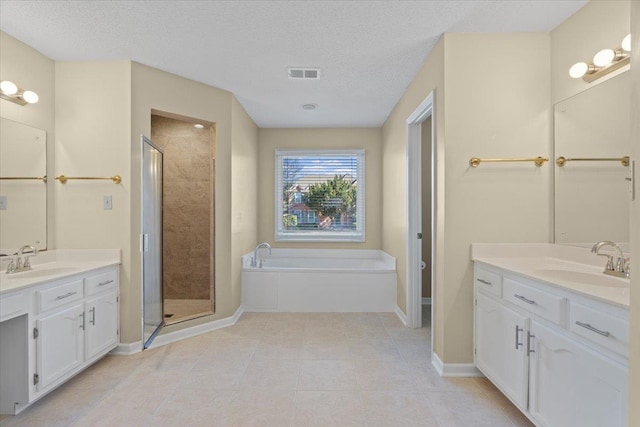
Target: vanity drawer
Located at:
point(536, 301)
point(59, 295)
point(101, 282)
point(489, 281)
point(601, 328)
point(13, 305)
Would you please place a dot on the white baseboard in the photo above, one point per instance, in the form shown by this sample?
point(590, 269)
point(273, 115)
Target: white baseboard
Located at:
point(125, 349)
point(426, 301)
point(401, 315)
point(171, 337)
point(461, 370)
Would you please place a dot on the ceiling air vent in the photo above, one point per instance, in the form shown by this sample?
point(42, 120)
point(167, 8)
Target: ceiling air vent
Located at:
point(304, 73)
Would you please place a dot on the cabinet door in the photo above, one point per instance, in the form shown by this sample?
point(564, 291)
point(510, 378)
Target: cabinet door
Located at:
point(500, 351)
point(60, 344)
point(102, 324)
point(571, 385)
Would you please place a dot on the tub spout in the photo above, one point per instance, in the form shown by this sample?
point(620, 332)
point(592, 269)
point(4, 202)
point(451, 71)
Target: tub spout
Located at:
point(254, 260)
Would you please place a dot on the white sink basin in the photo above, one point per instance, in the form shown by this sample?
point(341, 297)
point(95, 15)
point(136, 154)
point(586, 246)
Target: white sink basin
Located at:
point(583, 277)
point(37, 272)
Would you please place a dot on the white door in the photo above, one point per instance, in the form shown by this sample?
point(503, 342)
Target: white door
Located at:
point(571, 385)
point(500, 348)
point(60, 344)
point(101, 324)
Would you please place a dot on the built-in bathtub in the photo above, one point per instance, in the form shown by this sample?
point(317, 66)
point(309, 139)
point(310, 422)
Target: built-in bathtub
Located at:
point(327, 280)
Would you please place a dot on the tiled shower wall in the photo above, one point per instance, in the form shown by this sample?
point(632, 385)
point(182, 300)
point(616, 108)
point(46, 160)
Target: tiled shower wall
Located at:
point(187, 207)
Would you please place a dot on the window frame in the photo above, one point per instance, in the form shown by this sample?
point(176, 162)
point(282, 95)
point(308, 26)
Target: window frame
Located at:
point(282, 235)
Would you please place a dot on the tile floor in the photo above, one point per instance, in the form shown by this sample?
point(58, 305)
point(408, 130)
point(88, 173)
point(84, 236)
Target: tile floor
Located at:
point(278, 369)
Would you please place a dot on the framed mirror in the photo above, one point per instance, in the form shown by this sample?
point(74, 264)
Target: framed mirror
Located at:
point(592, 192)
point(23, 189)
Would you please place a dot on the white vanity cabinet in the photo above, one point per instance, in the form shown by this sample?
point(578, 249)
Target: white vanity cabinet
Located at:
point(65, 324)
point(559, 356)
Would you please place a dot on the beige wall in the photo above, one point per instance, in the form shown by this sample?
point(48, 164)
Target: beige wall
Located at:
point(31, 70)
point(482, 114)
point(394, 169)
point(244, 192)
point(93, 113)
point(368, 139)
point(153, 89)
point(634, 350)
point(597, 25)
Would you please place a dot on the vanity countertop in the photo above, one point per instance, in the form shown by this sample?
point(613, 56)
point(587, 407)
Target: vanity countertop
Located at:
point(58, 264)
point(571, 268)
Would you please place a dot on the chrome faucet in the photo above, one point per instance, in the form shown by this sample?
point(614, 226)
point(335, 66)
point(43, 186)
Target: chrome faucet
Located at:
point(254, 260)
point(16, 265)
point(622, 266)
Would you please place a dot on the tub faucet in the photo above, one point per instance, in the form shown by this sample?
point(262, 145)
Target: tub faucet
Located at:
point(620, 268)
point(254, 260)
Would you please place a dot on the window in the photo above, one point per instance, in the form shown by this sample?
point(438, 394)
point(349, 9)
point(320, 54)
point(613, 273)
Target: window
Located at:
point(319, 195)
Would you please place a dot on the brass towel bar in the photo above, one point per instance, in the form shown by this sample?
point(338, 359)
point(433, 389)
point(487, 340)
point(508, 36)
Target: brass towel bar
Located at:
point(117, 179)
point(561, 161)
point(474, 162)
point(15, 178)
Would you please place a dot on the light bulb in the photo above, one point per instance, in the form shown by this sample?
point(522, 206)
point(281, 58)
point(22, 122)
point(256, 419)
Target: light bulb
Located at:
point(9, 88)
point(578, 70)
point(30, 96)
point(604, 57)
point(198, 126)
point(626, 43)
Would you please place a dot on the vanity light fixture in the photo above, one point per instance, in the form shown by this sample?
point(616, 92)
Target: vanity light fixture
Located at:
point(11, 92)
point(603, 63)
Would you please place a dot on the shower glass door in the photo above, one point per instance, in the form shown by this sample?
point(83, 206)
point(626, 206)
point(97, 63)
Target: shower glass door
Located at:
point(153, 310)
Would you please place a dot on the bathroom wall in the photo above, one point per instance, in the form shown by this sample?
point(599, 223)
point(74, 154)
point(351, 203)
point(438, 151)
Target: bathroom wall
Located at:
point(187, 207)
point(367, 138)
point(244, 192)
point(153, 89)
point(30, 69)
point(481, 111)
point(429, 78)
point(634, 342)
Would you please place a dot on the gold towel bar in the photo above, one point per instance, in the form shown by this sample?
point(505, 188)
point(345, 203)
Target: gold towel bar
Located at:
point(561, 161)
point(39, 178)
point(474, 162)
point(117, 179)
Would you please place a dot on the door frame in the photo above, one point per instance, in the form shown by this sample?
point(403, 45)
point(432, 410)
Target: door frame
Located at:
point(414, 211)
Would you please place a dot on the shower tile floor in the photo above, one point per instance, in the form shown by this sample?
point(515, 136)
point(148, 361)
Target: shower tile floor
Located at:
point(279, 369)
point(180, 308)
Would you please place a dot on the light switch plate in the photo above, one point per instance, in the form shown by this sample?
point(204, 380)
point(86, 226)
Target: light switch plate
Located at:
point(3, 203)
point(108, 203)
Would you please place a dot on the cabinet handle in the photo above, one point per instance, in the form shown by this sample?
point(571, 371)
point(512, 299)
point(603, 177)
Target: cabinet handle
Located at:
point(518, 330)
point(592, 329)
point(93, 316)
point(105, 282)
point(67, 295)
point(528, 301)
point(82, 324)
point(485, 282)
point(529, 336)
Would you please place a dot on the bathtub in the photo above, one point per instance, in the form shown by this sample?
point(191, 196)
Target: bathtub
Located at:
point(327, 280)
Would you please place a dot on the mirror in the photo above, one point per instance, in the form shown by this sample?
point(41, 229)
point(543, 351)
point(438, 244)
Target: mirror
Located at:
point(23, 189)
point(592, 193)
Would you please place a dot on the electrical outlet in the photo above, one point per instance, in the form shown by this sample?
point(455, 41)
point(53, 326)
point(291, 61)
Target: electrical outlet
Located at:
point(108, 203)
point(3, 203)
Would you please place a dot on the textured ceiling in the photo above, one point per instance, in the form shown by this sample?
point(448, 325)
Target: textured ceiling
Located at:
point(368, 51)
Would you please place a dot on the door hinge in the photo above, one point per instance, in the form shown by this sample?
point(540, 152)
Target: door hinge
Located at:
point(117, 331)
point(476, 302)
point(475, 351)
point(419, 235)
point(36, 379)
point(117, 299)
point(36, 333)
